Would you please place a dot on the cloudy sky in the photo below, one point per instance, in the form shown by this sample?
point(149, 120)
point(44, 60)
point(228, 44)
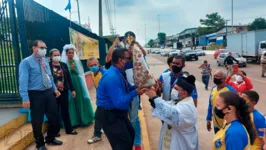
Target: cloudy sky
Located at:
point(175, 15)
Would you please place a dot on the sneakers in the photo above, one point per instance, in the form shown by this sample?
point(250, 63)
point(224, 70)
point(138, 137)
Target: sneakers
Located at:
point(94, 139)
point(102, 131)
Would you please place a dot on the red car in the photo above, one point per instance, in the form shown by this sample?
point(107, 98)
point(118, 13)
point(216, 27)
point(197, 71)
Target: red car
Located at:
point(218, 52)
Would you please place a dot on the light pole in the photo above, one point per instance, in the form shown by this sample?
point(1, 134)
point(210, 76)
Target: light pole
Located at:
point(100, 19)
point(232, 14)
point(159, 23)
point(145, 34)
point(78, 12)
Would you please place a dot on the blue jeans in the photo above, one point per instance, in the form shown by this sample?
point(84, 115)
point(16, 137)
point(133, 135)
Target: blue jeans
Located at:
point(205, 80)
point(134, 119)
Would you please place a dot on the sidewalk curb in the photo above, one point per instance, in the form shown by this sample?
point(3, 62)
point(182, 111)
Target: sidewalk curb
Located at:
point(144, 131)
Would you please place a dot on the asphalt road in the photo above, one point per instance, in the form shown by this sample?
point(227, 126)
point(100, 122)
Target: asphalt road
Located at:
point(253, 72)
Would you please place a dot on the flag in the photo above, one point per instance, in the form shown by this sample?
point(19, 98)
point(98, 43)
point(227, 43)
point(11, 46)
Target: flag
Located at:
point(68, 7)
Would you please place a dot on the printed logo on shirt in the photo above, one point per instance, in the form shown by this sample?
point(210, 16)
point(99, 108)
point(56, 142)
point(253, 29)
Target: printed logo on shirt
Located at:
point(218, 143)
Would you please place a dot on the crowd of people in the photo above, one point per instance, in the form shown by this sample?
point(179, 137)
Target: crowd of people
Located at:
point(50, 87)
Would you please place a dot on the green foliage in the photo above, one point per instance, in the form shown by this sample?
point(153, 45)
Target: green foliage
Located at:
point(150, 43)
point(224, 43)
point(213, 20)
point(206, 30)
point(162, 36)
point(257, 24)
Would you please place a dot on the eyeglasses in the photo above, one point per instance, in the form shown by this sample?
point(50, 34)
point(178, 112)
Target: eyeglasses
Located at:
point(42, 47)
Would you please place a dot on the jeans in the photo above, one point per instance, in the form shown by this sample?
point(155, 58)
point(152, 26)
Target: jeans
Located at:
point(205, 80)
point(134, 119)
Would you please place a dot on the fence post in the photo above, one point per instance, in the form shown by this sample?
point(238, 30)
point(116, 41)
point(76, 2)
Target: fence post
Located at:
point(15, 41)
point(22, 28)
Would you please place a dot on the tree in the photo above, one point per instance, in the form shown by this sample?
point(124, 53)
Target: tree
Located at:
point(162, 38)
point(150, 43)
point(206, 30)
point(258, 23)
point(213, 20)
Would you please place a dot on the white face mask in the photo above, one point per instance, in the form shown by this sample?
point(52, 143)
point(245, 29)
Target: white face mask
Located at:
point(56, 58)
point(42, 52)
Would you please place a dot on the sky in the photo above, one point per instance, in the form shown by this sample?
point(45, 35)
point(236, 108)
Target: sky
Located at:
point(174, 15)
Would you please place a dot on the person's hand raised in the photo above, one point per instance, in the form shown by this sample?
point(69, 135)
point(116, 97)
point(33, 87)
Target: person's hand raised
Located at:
point(141, 90)
point(150, 92)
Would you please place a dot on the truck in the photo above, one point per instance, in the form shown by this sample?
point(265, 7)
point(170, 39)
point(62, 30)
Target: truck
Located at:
point(249, 44)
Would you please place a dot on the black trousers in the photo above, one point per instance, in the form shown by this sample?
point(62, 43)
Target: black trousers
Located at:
point(43, 102)
point(117, 128)
point(62, 102)
point(97, 126)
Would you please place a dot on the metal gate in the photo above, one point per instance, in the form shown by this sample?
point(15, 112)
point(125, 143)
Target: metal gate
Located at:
point(21, 22)
point(9, 52)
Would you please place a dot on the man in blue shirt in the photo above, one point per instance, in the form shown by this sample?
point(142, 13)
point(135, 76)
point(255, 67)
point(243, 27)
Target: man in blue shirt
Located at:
point(38, 92)
point(114, 95)
point(168, 79)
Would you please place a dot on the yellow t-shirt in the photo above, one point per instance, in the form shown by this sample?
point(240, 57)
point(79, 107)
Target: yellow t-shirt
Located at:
point(259, 122)
point(231, 136)
point(96, 78)
point(217, 122)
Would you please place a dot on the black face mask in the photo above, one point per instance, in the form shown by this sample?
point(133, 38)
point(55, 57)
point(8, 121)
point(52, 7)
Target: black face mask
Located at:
point(176, 69)
point(217, 81)
point(219, 113)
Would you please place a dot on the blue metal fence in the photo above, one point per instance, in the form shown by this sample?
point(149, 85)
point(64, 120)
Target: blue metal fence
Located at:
point(23, 21)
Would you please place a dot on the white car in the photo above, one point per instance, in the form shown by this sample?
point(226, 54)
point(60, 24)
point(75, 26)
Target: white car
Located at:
point(200, 52)
point(164, 53)
point(174, 53)
point(242, 61)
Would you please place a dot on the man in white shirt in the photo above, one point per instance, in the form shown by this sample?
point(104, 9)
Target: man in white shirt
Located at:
point(179, 130)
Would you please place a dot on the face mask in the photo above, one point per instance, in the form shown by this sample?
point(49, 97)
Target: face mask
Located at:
point(128, 65)
point(239, 79)
point(217, 81)
point(56, 58)
point(94, 69)
point(219, 113)
point(42, 52)
point(176, 69)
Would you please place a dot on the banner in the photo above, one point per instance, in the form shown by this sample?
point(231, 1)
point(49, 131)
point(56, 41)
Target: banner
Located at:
point(86, 47)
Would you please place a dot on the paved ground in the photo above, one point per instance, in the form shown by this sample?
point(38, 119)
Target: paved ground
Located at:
point(253, 72)
point(79, 142)
point(157, 65)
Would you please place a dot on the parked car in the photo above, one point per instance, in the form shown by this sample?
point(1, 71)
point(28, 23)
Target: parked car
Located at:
point(152, 50)
point(174, 53)
point(200, 52)
point(157, 51)
point(190, 54)
point(164, 53)
point(222, 56)
point(218, 52)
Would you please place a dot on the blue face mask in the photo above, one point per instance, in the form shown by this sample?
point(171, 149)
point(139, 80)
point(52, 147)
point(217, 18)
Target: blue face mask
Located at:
point(94, 69)
point(128, 65)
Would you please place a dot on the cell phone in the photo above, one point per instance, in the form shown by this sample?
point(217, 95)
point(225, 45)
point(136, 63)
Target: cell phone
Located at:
point(121, 38)
point(235, 68)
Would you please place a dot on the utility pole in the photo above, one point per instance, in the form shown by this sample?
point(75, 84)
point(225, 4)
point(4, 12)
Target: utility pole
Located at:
point(78, 12)
point(100, 19)
point(232, 14)
point(145, 35)
point(226, 31)
point(159, 23)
